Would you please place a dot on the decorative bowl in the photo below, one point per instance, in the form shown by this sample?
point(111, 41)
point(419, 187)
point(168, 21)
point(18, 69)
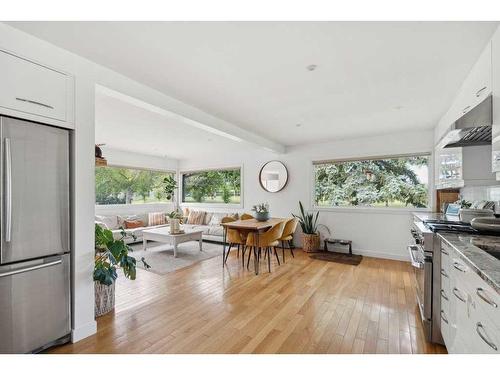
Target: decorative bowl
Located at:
point(262, 216)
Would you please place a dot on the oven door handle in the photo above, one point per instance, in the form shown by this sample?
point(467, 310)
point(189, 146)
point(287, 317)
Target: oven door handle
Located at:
point(415, 263)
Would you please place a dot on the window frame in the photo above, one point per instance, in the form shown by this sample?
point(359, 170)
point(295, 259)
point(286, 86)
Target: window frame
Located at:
point(125, 205)
point(208, 205)
point(367, 209)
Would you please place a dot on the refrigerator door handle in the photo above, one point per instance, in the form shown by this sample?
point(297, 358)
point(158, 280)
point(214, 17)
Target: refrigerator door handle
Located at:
point(8, 191)
point(32, 268)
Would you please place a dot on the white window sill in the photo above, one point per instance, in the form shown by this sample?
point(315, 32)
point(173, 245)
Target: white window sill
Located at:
point(212, 205)
point(370, 210)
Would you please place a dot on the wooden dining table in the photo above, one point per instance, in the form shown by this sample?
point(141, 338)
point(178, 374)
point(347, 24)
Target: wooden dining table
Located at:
point(252, 227)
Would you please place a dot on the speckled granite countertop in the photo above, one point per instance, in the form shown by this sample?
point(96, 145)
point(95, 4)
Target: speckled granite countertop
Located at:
point(422, 216)
point(484, 264)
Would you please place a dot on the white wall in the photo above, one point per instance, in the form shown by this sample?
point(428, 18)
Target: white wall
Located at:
point(135, 160)
point(375, 232)
point(87, 76)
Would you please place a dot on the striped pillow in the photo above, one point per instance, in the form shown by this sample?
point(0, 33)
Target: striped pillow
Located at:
point(156, 218)
point(196, 217)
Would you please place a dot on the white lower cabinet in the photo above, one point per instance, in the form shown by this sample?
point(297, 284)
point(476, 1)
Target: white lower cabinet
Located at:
point(470, 312)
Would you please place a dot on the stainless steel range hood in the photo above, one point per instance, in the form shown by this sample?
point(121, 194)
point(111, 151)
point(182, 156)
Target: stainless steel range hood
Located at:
point(472, 129)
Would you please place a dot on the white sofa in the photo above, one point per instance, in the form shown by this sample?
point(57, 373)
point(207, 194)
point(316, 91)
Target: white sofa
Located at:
point(211, 228)
point(116, 222)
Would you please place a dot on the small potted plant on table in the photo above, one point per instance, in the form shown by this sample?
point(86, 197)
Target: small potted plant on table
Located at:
point(261, 211)
point(309, 225)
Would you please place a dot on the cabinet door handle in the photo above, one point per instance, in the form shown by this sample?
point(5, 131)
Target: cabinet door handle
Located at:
point(459, 267)
point(484, 336)
point(466, 109)
point(455, 291)
point(443, 294)
point(481, 294)
point(443, 251)
point(478, 93)
point(443, 316)
point(35, 102)
point(444, 273)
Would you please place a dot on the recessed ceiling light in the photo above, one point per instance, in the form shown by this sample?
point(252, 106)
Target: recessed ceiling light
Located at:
point(311, 67)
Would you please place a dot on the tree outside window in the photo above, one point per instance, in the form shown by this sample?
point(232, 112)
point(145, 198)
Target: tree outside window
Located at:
point(388, 182)
point(212, 186)
point(115, 185)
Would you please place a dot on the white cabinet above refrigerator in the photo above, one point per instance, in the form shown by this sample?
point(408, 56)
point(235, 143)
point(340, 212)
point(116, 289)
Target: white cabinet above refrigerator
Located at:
point(35, 92)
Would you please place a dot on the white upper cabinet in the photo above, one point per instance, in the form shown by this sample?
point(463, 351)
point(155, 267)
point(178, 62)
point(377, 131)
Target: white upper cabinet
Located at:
point(475, 88)
point(32, 89)
point(495, 58)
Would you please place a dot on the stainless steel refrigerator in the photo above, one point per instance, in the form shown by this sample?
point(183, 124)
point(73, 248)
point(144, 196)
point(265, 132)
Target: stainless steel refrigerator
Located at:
point(35, 236)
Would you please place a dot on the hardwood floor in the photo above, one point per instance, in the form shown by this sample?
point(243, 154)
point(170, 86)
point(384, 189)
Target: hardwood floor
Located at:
point(303, 306)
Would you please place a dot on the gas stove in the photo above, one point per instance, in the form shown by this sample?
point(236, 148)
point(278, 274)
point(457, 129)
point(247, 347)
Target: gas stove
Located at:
point(451, 227)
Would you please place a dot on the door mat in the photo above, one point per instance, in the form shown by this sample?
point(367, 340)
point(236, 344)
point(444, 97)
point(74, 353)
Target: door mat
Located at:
point(333, 256)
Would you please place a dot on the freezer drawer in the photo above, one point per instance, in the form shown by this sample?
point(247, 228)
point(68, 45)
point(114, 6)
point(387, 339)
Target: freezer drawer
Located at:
point(35, 190)
point(34, 304)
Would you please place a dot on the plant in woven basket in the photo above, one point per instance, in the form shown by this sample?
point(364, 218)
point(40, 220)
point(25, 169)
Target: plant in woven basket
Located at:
point(110, 254)
point(309, 225)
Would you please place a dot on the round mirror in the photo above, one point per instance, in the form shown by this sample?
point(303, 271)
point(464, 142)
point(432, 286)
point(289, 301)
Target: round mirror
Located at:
point(273, 176)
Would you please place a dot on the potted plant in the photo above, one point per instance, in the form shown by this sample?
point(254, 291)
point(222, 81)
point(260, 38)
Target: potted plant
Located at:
point(110, 254)
point(170, 186)
point(174, 219)
point(309, 225)
point(261, 211)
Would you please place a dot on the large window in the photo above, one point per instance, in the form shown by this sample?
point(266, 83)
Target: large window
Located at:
point(115, 185)
point(388, 182)
point(212, 186)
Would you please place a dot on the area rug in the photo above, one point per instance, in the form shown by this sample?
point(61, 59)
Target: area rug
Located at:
point(160, 256)
point(333, 256)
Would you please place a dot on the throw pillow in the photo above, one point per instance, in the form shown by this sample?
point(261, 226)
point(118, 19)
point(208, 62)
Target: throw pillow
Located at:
point(156, 218)
point(196, 217)
point(102, 225)
point(111, 221)
point(131, 224)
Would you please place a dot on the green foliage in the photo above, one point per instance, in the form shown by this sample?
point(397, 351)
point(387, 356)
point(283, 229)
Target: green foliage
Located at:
point(308, 221)
point(464, 203)
point(212, 186)
point(175, 215)
point(169, 187)
point(383, 182)
point(125, 185)
point(261, 208)
point(110, 254)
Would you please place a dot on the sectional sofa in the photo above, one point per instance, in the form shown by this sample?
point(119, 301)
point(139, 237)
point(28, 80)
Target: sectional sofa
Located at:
point(210, 226)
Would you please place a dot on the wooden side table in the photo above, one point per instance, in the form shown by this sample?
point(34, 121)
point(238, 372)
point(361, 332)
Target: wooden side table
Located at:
point(338, 241)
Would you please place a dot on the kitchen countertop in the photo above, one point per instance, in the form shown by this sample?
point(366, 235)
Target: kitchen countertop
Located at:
point(434, 216)
point(483, 264)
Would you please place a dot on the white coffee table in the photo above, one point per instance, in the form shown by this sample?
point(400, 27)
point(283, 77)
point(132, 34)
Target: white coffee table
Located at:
point(163, 235)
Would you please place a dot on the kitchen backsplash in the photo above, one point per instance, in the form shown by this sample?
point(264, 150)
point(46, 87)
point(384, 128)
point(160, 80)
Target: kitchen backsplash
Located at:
point(480, 193)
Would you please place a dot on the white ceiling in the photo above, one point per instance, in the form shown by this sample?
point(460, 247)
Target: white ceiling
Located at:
point(133, 128)
point(371, 77)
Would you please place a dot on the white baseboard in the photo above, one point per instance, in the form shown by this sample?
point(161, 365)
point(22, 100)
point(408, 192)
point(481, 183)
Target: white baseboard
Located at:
point(381, 254)
point(79, 333)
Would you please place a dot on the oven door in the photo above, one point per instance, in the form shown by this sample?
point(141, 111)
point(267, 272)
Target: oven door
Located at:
point(422, 267)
